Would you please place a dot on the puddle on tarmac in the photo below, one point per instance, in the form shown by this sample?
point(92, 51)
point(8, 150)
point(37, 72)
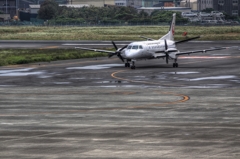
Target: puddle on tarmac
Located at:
point(140, 78)
point(206, 78)
point(210, 86)
point(124, 86)
point(20, 72)
point(16, 70)
point(61, 82)
point(237, 81)
point(213, 78)
point(112, 82)
point(180, 73)
point(80, 78)
point(44, 76)
point(25, 72)
point(7, 85)
point(95, 67)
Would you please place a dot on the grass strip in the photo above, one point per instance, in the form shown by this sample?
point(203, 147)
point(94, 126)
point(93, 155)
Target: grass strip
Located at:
point(24, 56)
point(116, 32)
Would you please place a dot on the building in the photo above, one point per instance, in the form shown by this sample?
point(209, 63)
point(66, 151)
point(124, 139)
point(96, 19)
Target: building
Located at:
point(231, 7)
point(32, 11)
point(149, 10)
point(96, 3)
point(152, 3)
point(203, 4)
point(121, 2)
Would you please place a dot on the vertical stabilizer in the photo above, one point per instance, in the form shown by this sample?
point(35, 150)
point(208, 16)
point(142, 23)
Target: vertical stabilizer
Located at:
point(170, 34)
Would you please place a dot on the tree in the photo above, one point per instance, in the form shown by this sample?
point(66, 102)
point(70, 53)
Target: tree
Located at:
point(208, 10)
point(48, 10)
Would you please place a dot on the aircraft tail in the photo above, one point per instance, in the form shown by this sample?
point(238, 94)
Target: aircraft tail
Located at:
point(170, 34)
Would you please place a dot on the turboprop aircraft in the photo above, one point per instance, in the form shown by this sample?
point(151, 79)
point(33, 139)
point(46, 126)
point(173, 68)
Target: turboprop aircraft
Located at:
point(165, 47)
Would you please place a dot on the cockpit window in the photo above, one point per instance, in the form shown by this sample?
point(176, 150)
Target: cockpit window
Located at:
point(129, 47)
point(140, 47)
point(135, 47)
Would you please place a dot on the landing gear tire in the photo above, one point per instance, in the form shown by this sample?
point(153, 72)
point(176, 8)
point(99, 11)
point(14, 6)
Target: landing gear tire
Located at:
point(175, 64)
point(133, 65)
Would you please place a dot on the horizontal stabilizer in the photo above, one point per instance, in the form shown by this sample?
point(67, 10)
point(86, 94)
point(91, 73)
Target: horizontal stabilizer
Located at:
point(186, 40)
point(96, 50)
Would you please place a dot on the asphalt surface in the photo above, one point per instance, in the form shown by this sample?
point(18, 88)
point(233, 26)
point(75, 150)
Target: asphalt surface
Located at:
point(96, 108)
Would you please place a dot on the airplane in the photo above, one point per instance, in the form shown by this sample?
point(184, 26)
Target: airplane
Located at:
point(165, 47)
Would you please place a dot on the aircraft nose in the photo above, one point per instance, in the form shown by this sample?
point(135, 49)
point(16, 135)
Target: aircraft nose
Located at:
point(131, 54)
point(128, 54)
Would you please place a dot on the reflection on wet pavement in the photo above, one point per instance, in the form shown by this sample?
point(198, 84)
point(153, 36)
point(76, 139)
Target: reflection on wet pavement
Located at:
point(19, 72)
point(95, 67)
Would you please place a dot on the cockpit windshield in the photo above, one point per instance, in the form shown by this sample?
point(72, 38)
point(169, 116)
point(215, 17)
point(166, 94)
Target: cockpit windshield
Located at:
point(129, 47)
point(135, 47)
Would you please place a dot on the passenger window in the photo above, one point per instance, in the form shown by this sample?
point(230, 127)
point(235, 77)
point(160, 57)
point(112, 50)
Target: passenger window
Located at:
point(135, 47)
point(140, 47)
point(129, 47)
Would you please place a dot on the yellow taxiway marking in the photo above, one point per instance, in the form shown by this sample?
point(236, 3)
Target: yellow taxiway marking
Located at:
point(184, 98)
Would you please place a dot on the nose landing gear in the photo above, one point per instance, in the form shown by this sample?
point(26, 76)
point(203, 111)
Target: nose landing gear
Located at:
point(127, 64)
point(175, 64)
point(133, 65)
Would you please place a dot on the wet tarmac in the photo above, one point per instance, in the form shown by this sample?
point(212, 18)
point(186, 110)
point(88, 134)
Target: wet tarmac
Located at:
point(97, 108)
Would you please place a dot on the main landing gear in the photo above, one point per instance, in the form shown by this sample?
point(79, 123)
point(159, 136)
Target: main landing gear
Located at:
point(128, 64)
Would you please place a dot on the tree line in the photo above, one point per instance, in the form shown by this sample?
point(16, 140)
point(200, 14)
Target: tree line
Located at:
point(51, 11)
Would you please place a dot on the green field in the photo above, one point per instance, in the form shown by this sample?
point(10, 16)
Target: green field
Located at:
point(22, 56)
point(116, 33)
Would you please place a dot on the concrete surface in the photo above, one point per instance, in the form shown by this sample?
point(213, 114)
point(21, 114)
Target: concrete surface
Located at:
point(96, 108)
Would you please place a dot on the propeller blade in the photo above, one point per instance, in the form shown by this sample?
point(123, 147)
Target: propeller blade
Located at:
point(123, 48)
point(120, 57)
point(110, 55)
point(166, 50)
point(167, 56)
point(166, 47)
point(118, 52)
point(115, 46)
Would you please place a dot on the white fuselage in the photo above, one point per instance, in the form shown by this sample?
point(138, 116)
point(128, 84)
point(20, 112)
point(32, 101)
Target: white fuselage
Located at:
point(147, 49)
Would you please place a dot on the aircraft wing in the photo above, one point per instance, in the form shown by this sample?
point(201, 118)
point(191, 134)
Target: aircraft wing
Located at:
point(148, 39)
point(160, 55)
point(202, 51)
point(96, 50)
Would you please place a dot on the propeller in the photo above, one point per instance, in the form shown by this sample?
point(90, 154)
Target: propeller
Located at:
point(118, 51)
point(166, 50)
